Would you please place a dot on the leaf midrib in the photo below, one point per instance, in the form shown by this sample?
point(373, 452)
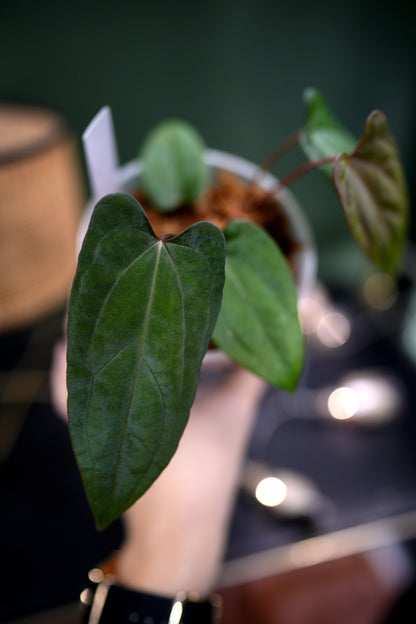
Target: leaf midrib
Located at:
point(95, 373)
point(138, 362)
point(137, 366)
point(110, 292)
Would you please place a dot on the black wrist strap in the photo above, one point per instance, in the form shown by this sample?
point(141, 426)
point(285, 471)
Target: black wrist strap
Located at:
point(107, 603)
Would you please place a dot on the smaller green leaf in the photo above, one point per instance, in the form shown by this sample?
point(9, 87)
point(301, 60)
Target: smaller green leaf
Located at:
point(174, 170)
point(372, 189)
point(258, 325)
point(323, 135)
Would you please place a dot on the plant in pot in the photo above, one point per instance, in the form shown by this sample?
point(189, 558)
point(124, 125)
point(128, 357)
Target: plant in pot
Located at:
point(216, 271)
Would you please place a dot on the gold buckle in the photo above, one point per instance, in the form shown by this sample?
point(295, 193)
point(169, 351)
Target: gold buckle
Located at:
point(104, 583)
point(176, 611)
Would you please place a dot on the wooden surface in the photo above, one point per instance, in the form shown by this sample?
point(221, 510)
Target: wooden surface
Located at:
point(345, 591)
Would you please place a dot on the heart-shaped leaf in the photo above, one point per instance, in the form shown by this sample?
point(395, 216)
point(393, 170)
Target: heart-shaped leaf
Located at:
point(371, 186)
point(141, 314)
point(174, 170)
point(258, 325)
point(323, 135)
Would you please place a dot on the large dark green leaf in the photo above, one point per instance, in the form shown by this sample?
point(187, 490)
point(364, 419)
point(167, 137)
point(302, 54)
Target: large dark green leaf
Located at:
point(141, 314)
point(323, 135)
point(174, 170)
point(372, 189)
point(258, 326)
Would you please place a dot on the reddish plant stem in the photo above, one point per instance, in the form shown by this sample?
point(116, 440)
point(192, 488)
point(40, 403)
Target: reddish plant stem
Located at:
point(280, 150)
point(300, 171)
point(276, 154)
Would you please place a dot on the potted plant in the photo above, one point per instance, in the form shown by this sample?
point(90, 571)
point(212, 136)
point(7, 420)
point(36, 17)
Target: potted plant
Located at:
point(145, 307)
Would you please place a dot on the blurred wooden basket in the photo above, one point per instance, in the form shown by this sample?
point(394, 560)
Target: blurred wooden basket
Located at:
point(41, 197)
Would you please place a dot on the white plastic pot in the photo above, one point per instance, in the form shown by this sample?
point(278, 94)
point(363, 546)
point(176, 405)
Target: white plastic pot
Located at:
point(304, 259)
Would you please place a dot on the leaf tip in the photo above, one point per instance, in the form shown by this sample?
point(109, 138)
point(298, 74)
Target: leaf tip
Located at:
point(309, 94)
point(104, 515)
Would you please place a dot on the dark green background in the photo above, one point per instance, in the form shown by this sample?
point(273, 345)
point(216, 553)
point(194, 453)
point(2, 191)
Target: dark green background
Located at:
point(235, 69)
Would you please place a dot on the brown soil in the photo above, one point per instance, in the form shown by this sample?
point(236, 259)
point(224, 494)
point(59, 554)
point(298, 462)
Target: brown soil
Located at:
point(229, 198)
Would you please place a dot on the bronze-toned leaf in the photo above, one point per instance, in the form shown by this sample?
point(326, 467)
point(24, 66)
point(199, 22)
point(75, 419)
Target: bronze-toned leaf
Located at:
point(371, 186)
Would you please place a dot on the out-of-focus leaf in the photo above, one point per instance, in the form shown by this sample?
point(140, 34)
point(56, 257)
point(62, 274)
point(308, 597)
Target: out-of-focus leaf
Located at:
point(174, 170)
point(258, 325)
point(322, 134)
point(141, 314)
point(371, 186)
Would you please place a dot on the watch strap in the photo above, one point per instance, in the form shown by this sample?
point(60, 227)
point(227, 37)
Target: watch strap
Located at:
point(108, 603)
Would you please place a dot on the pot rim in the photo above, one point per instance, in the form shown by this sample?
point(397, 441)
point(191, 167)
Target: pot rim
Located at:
point(305, 259)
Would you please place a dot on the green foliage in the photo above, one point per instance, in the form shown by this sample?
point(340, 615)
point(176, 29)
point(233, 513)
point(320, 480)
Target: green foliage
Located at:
point(174, 169)
point(368, 177)
point(258, 325)
point(143, 310)
point(322, 134)
point(141, 314)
